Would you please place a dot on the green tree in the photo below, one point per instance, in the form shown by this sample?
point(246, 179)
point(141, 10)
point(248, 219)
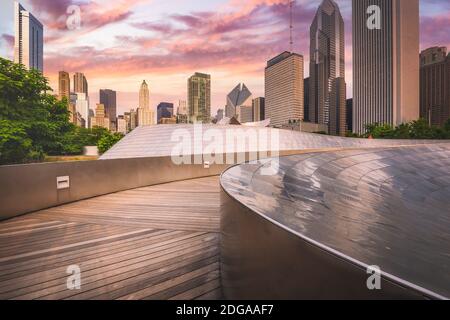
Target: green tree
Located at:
point(31, 116)
point(15, 146)
point(108, 140)
point(379, 131)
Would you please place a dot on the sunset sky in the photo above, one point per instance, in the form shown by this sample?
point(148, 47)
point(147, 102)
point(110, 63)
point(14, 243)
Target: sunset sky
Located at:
point(122, 42)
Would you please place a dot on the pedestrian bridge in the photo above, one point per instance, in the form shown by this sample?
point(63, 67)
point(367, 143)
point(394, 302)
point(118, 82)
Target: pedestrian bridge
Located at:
point(139, 226)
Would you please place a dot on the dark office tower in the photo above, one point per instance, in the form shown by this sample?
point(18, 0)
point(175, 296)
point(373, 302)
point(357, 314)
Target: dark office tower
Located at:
point(327, 59)
point(349, 109)
point(164, 111)
point(435, 85)
point(338, 114)
point(109, 99)
point(80, 84)
point(259, 109)
point(385, 66)
point(306, 99)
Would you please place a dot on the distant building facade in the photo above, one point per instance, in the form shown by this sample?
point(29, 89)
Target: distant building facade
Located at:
point(349, 111)
point(239, 100)
point(435, 85)
point(28, 40)
point(101, 118)
point(171, 120)
point(122, 125)
point(259, 106)
point(338, 113)
point(245, 114)
point(284, 92)
point(80, 83)
point(146, 116)
point(133, 120)
point(109, 99)
point(327, 63)
point(306, 99)
point(306, 127)
point(199, 98)
point(385, 66)
point(80, 103)
point(164, 110)
point(182, 112)
point(220, 115)
point(64, 85)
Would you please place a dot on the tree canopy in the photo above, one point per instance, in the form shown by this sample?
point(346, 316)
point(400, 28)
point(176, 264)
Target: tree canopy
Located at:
point(419, 129)
point(33, 122)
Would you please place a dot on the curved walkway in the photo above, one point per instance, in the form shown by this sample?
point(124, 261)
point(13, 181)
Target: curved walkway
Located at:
point(383, 207)
point(158, 242)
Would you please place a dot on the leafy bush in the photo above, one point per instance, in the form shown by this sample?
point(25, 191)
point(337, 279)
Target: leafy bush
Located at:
point(419, 129)
point(34, 123)
point(107, 141)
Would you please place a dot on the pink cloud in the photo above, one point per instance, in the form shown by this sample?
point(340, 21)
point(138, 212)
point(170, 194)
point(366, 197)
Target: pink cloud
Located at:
point(93, 15)
point(434, 31)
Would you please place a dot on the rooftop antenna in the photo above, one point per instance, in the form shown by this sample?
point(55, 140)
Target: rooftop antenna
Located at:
point(291, 25)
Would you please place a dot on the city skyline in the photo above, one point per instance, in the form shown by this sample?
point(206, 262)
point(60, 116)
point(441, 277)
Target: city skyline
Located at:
point(170, 60)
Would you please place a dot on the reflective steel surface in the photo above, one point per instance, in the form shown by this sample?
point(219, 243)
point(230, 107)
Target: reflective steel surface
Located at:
point(384, 207)
point(162, 140)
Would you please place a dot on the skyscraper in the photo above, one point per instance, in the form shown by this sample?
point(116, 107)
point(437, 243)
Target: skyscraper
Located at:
point(80, 84)
point(131, 118)
point(64, 85)
point(435, 85)
point(327, 61)
point(146, 116)
point(220, 114)
point(199, 98)
point(29, 39)
point(338, 106)
point(182, 112)
point(306, 99)
point(284, 89)
point(182, 107)
point(144, 96)
point(385, 62)
point(349, 111)
point(259, 109)
point(101, 118)
point(122, 126)
point(238, 100)
point(82, 107)
point(109, 99)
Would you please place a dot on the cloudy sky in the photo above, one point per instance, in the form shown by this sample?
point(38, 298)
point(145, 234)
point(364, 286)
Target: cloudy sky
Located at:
point(122, 42)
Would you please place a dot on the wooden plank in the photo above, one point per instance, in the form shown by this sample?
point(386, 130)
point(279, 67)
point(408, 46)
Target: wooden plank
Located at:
point(156, 242)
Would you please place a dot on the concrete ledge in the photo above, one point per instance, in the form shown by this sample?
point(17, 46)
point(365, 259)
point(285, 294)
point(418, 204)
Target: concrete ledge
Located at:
point(28, 188)
point(32, 187)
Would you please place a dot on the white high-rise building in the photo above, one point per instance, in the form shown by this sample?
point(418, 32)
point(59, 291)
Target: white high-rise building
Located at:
point(284, 89)
point(29, 39)
point(82, 106)
point(146, 116)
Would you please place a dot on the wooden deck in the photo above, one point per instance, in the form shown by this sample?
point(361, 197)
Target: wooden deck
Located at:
point(158, 242)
